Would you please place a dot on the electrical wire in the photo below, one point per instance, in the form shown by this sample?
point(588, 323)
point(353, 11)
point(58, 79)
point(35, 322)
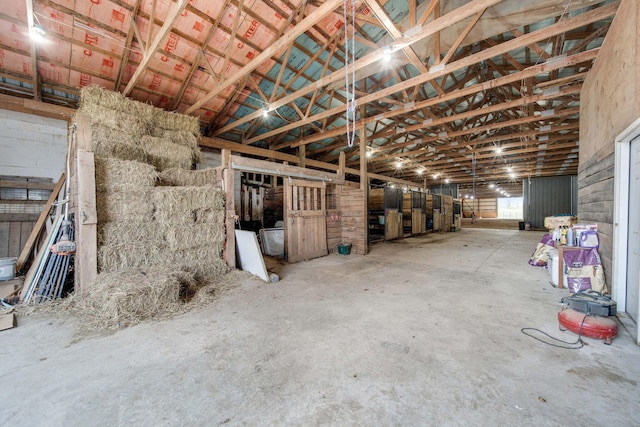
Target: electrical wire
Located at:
point(350, 72)
point(566, 347)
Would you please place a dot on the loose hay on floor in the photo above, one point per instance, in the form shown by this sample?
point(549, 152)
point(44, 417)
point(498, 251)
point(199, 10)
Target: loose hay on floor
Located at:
point(126, 298)
point(115, 175)
point(164, 154)
point(192, 178)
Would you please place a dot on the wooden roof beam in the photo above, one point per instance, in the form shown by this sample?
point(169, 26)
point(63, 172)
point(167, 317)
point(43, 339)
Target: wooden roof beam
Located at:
point(172, 17)
point(285, 40)
point(33, 52)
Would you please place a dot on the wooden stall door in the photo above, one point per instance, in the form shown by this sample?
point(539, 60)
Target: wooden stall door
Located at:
point(393, 224)
point(305, 226)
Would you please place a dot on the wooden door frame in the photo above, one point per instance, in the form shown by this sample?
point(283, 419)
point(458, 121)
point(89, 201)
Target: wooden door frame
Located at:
point(621, 217)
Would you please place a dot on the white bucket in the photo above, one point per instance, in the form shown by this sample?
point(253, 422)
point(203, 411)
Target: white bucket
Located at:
point(553, 265)
point(7, 268)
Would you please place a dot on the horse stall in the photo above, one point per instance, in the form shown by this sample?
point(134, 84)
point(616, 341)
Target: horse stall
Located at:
point(436, 209)
point(385, 214)
point(407, 213)
point(346, 225)
point(457, 214)
point(418, 212)
point(376, 217)
point(447, 213)
point(392, 213)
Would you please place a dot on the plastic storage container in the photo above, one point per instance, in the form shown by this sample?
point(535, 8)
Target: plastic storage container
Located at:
point(7, 268)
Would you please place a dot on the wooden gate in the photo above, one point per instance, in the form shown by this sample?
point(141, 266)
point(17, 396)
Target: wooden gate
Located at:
point(305, 212)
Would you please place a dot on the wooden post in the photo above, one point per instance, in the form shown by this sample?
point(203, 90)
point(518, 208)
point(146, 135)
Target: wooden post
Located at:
point(86, 222)
point(302, 154)
point(342, 162)
point(230, 217)
point(83, 189)
point(364, 178)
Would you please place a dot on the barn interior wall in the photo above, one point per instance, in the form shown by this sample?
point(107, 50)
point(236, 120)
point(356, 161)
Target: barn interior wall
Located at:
point(610, 102)
point(32, 145)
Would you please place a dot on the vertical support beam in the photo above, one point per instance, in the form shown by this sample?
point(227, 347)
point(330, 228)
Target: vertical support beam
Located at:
point(302, 155)
point(32, 51)
point(364, 177)
point(230, 212)
point(342, 163)
point(86, 222)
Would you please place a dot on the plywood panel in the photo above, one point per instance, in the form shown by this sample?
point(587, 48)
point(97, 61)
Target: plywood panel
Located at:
point(376, 199)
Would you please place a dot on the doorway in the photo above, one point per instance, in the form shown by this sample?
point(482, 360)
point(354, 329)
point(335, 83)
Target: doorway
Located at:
point(626, 238)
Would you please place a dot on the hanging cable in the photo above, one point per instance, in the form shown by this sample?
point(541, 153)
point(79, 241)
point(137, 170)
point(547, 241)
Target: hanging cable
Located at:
point(350, 71)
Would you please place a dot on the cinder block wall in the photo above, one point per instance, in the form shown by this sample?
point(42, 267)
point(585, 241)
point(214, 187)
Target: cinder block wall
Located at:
point(610, 102)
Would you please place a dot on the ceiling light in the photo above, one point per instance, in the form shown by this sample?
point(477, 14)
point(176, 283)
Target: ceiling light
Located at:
point(491, 185)
point(265, 113)
point(472, 197)
point(420, 171)
point(398, 165)
point(369, 154)
point(386, 55)
point(37, 34)
point(512, 175)
point(509, 169)
point(436, 175)
point(498, 150)
point(446, 181)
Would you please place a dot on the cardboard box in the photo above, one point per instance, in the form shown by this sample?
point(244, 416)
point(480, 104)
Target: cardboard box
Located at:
point(553, 222)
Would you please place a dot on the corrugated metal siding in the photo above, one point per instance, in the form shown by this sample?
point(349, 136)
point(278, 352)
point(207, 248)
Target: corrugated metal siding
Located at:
point(549, 196)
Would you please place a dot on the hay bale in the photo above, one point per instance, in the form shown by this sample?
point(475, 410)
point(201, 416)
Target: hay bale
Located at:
point(186, 139)
point(185, 236)
point(106, 135)
point(125, 206)
point(184, 177)
point(115, 175)
point(177, 122)
point(126, 298)
point(129, 232)
point(118, 257)
point(95, 96)
point(164, 154)
point(119, 120)
point(119, 151)
point(187, 204)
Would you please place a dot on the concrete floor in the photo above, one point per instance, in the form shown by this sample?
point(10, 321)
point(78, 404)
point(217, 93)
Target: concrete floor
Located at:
point(423, 331)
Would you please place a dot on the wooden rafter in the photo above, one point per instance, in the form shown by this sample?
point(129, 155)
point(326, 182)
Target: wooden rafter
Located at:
point(150, 50)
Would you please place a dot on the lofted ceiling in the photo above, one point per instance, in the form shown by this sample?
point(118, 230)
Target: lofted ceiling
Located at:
point(484, 91)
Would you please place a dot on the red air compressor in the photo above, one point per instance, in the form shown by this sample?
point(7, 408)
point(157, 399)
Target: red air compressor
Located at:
point(591, 314)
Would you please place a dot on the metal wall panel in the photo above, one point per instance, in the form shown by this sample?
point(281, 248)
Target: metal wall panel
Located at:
point(549, 196)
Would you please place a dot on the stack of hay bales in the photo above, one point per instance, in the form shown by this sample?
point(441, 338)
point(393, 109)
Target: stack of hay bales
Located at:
point(154, 212)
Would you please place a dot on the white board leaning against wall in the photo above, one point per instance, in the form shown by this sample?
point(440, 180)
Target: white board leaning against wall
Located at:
point(32, 146)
